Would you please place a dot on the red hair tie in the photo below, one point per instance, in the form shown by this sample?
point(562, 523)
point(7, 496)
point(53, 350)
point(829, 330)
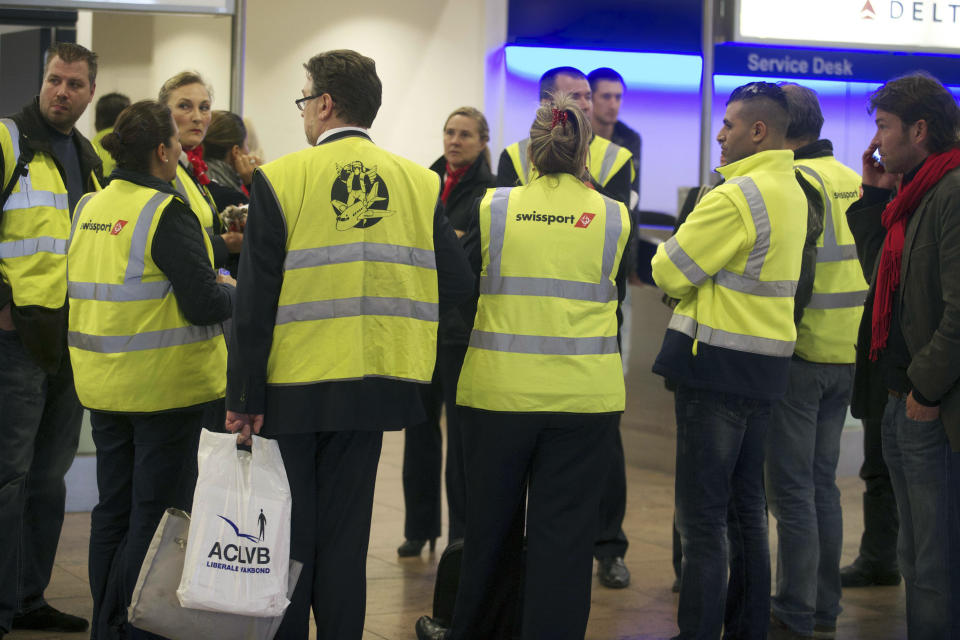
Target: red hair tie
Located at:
point(559, 117)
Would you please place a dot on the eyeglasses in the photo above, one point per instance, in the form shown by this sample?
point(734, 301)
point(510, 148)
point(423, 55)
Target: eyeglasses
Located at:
point(300, 102)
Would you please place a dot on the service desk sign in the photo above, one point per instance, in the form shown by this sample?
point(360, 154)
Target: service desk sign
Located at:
point(898, 25)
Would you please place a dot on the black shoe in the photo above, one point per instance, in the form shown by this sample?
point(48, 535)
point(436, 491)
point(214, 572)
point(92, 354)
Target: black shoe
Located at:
point(676, 586)
point(861, 574)
point(613, 573)
point(429, 629)
point(824, 631)
point(780, 631)
point(411, 548)
point(46, 618)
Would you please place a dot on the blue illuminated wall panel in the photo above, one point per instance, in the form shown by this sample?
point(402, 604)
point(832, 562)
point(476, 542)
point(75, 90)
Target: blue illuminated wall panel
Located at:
point(663, 101)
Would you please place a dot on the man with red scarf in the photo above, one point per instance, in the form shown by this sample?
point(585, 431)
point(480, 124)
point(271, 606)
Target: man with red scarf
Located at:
point(907, 230)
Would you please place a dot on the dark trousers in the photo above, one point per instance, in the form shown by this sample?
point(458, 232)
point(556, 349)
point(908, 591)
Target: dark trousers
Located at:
point(558, 458)
point(878, 546)
point(332, 477)
point(611, 540)
point(721, 513)
point(422, 455)
point(146, 463)
point(40, 420)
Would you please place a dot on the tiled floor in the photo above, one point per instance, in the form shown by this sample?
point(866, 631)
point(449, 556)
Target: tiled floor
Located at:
point(401, 590)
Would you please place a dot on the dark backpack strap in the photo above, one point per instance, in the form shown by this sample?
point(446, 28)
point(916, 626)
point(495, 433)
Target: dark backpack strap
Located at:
point(19, 170)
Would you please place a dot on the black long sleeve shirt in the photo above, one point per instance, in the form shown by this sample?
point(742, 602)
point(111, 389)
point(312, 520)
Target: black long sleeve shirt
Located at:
point(366, 404)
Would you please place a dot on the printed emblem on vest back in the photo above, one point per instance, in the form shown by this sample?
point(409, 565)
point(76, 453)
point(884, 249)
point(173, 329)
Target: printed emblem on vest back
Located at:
point(359, 197)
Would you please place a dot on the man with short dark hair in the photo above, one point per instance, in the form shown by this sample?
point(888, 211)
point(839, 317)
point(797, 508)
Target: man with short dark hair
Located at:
point(47, 165)
point(610, 165)
point(107, 110)
point(347, 259)
point(608, 87)
point(733, 266)
point(907, 231)
point(803, 443)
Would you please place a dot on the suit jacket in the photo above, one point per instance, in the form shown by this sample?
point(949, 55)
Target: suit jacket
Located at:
point(929, 299)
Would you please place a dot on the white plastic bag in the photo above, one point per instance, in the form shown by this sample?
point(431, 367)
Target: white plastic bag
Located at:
point(238, 552)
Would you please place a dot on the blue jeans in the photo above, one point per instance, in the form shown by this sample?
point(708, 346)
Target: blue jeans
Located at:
point(918, 456)
point(803, 448)
point(39, 429)
point(719, 477)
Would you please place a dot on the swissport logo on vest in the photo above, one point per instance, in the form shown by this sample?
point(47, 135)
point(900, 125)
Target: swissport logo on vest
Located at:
point(578, 222)
point(245, 554)
point(113, 227)
point(359, 196)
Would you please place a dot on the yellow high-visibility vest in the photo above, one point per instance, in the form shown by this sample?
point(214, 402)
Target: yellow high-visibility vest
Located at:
point(736, 283)
point(828, 329)
point(108, 162)
point(545, 336)
point(199, 199)
point(35, 226)
point(130, 345)
point(359, 296)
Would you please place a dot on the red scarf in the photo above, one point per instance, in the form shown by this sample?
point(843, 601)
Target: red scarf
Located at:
point(452, 178)
point(195, 156)
point(895, 218)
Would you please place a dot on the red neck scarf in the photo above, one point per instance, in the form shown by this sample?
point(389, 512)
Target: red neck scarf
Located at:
point(452, 178)
point(895, 218)
point(195, 156)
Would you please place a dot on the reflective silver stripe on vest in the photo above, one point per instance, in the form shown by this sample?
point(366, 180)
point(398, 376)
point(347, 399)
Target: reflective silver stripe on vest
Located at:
point(182, 189)
point(761, 222)
point(360, 306)
point(842, 300)
point(132, 288)
point(543, 345)
point(358, 252)
point(119, 292)
point(524, 160)
point(143, 341)
point(690, 269)
point(768, 288)
point(76, 216)
point(611, 238)
point(30, 246)
point(736, 341)
point(27, 197)
point(568, 289)
point(495, 284)
point(830, 251)
point(498, 226)
point(608, 158)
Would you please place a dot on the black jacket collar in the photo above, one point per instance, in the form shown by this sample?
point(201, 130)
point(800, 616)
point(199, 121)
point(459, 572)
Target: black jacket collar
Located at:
point(818, 149)
point(352, 133)
point(146, 180)
point(479, 170)
point(35, 134)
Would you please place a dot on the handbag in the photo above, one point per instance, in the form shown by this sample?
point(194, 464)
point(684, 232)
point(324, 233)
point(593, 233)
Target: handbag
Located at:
point(154, 606)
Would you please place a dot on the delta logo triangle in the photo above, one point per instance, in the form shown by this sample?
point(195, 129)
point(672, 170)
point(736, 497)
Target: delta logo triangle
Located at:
point(585, 220)
point(867, 12)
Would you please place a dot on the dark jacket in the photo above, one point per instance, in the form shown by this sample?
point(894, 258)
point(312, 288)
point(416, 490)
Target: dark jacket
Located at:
point(457, 320)
point(928, 300)
point(632, 142)
point(44, 331)
point(371, 404)
point(815, 209)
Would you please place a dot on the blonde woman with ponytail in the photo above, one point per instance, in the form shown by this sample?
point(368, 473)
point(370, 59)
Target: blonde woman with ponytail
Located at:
point(541, 389)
